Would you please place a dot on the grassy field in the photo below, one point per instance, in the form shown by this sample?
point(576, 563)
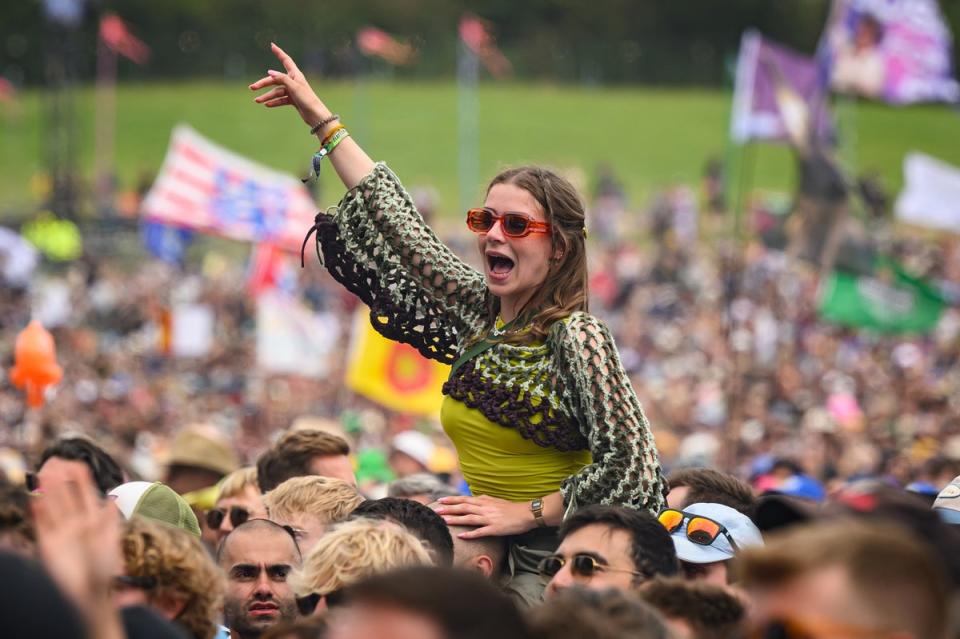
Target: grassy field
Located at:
point(651, 137)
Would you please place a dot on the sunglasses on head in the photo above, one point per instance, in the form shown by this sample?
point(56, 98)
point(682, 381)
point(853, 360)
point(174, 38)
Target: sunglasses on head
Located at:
point(238, 515)
point(581, 565)
point(700, 530)
point(514, 225)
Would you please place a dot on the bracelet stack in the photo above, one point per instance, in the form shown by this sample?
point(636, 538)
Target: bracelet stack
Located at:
point(329, 143)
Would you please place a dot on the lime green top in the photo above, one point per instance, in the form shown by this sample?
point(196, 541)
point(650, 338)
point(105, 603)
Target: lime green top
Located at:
point(499, 462)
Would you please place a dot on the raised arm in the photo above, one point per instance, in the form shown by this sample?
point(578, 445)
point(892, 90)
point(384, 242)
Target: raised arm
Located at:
point(290, 88)
point(376, 243)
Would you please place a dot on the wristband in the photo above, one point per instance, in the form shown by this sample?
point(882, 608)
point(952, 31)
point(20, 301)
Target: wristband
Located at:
point(335, 139)
point(329, 136)
point(324, 151)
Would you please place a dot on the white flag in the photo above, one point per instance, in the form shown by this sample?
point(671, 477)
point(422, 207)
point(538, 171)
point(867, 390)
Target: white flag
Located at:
point(931, 195)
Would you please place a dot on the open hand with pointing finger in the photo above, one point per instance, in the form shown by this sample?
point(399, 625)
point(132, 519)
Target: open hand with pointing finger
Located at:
point(290, 88)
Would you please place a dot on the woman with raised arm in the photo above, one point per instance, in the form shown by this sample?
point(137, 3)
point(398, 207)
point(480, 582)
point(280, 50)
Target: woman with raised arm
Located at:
point(538, 405)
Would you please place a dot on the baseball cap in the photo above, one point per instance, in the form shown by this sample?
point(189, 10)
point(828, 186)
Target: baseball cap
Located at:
point(801, 487)
point(774, 511)
point(740, 527)
point(947, 503)
point(155, 501)
point(416, 445)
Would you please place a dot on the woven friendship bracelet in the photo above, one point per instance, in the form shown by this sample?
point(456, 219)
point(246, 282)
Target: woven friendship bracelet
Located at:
point(334, 140)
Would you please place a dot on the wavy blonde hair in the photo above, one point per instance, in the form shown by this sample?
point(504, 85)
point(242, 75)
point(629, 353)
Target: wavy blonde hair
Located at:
point(182, 568)
point(565, 289)
point(236, 482)
point(328, 498)
point(355, 550)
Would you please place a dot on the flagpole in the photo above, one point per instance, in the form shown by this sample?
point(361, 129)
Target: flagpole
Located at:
point(468, 69)
point(748, 155)
point(106, 100)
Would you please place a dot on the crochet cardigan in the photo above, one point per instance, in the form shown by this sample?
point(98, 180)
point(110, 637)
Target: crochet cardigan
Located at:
point(570, 392)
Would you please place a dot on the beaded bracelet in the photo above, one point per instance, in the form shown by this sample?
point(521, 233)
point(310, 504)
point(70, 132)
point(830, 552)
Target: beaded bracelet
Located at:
point(322, 123)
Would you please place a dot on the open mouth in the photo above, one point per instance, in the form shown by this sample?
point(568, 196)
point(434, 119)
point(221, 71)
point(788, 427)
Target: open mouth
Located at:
point(499, 265)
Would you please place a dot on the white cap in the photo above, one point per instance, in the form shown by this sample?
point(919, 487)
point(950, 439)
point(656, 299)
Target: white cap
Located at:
point(738, 525)
point(127, 496)
point(415, 444)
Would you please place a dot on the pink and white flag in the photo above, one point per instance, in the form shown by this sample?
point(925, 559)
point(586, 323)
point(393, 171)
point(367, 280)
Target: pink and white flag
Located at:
point(205, 187)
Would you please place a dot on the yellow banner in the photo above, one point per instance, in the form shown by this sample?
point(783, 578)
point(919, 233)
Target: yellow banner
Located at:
point(393, 374)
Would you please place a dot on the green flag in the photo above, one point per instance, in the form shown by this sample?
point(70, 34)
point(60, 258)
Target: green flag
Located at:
point(889, 301)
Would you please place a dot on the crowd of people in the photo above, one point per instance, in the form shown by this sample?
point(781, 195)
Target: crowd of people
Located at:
point(841, 429)
point(725, 349)
point(699, 455)
point(89, 553)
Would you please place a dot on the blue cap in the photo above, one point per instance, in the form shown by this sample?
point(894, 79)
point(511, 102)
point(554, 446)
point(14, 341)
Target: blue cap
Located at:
point(802, 487)
point(923, 488)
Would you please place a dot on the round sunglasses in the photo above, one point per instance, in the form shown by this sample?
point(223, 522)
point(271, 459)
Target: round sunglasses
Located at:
point(514, 225)
point(581, 565)
point(700, 530)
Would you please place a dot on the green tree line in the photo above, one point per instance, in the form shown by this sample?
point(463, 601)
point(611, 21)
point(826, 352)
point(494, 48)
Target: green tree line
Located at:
point(660, 42)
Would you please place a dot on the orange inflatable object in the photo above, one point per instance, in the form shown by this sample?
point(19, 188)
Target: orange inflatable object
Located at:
point(35, 362)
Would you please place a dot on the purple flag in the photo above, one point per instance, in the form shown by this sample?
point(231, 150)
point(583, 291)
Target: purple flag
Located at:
point(898, 51)
point(778, 95)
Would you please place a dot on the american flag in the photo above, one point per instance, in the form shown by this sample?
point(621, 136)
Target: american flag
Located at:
point(207, 188)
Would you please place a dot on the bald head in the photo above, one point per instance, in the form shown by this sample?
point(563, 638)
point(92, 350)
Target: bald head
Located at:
point(258, 531)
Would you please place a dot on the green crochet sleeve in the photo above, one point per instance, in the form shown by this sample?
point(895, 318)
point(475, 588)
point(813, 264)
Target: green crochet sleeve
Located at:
point(626, 468)
point(419, 292)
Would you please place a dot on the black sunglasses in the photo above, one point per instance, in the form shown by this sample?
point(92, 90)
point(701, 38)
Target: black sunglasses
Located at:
point(238, 516)
point(308, 603)
point(126, 582)
point(581, 565)
point(32, 481)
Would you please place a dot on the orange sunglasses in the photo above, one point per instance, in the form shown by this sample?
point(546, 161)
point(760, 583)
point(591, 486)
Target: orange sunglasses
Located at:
point(514, 225)
point(700, 530)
